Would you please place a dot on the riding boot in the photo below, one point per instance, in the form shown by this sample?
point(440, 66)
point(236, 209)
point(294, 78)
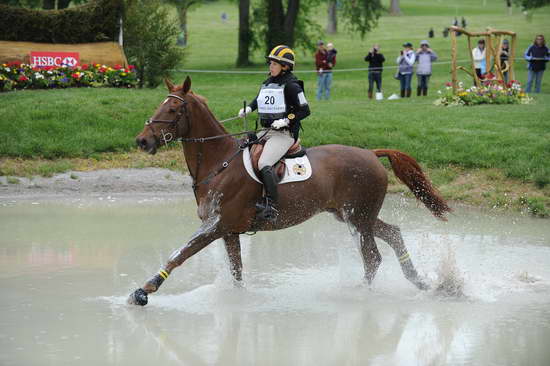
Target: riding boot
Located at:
point(268, 210)
point(370, 94)
point(408, 93)
point(425, 92)
point(402, 93)
point(418, 91)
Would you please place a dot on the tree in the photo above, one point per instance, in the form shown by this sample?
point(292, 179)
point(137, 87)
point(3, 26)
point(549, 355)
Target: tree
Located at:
point(532, 4)
point(394, 7)
point(183, 7)
point(245, 34)
point(332, 21)
point(291, 23)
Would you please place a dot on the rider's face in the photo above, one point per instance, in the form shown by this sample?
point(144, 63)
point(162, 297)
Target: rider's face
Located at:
point(275, 68)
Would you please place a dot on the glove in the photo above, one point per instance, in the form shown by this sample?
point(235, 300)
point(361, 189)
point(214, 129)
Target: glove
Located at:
point(280, 123)
point(244, 111)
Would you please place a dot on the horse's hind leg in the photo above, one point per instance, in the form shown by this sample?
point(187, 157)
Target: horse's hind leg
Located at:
point(392, 235)
point(370, 254)
point(233, 248)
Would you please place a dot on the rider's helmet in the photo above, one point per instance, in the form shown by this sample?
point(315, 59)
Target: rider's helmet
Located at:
point(283, 55)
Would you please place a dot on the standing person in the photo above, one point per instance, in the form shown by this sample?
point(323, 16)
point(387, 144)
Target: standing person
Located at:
point(431, 33)
point(478, 54)
point(324, 71)
point(281, 105)
point(537, 55)
point(375, 60)
point(406, 61)
point(424, 56)
point(504, 56)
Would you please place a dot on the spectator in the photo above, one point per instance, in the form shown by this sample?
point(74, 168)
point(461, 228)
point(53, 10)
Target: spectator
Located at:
point(406, 61)
point(424, 56)
point(431, 33)
point(375, 60)
point(463, 21)
point(324, 71)
point(504, 56)
point(478, 54)
point(537, 55)
point(445, 32)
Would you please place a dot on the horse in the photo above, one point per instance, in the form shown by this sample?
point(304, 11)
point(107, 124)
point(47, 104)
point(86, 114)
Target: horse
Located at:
point(349, 182)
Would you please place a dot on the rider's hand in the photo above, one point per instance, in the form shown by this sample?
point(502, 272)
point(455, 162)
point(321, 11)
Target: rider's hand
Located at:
point(244, 111)
point(280, 123)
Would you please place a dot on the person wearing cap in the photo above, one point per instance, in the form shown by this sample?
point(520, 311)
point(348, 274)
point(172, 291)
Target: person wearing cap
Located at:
point(281, 106)
point(376, 61)
point(324, 71)
point(424, 56)
point(478, 54)
point(504, 56)
point(406, 61)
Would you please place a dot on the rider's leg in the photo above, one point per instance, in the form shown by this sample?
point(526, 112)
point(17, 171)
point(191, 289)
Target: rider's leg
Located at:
point(276, 146)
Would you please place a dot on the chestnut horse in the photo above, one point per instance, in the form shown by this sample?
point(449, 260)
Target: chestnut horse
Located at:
point(349, 182)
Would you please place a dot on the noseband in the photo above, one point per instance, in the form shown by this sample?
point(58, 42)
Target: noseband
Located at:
point(182, 110)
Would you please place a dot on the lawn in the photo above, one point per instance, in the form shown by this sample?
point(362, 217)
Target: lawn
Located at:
point(513, 140)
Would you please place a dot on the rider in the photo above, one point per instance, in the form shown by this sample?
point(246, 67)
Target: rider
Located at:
point(281, 105)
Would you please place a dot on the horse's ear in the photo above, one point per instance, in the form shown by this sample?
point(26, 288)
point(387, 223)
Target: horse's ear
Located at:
point(169, 85)
point(186, 85)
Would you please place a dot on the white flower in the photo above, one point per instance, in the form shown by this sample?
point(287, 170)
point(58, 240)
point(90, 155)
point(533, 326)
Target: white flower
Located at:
point(8, 69)
point(38, 75)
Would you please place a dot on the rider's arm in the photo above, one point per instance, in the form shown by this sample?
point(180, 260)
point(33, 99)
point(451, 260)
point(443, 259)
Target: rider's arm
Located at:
point(254, 104)
point(297, 99)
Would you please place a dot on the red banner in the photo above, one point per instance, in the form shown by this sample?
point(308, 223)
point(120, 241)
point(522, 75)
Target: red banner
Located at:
point(55, 59)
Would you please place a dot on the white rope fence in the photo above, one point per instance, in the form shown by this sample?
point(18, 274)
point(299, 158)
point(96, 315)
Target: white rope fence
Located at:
point(310, 71)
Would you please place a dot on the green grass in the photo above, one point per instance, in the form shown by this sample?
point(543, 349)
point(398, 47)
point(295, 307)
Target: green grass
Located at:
point(515, 138)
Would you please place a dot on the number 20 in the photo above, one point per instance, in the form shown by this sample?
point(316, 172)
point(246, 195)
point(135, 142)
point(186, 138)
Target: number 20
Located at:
point(269, 99)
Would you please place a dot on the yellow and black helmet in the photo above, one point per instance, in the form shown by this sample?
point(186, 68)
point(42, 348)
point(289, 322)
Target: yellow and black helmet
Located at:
point(283, 55)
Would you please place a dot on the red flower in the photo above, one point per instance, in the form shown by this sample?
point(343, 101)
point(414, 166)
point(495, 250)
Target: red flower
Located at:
point(85, 66)
point(35, 68)
point(23, 78)
point(131, 67)
point(75, 76)
point(102, 69)
point(448, 84)
point(117, 67)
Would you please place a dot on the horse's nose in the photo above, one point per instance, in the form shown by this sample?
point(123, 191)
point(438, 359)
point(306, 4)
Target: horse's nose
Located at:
point(140, 141)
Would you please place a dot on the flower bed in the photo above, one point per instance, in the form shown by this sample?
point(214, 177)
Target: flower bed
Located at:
point(16, 75)
point(491, 92)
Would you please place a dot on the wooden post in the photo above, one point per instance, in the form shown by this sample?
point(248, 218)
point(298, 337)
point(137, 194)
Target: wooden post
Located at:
point(476, 79)
point(453, 60)
point(488, 52)
point(512, 58)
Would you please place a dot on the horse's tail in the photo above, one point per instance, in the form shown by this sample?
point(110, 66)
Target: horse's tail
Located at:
point(410, 173)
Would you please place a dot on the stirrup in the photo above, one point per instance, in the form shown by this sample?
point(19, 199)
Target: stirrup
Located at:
point(266, 210)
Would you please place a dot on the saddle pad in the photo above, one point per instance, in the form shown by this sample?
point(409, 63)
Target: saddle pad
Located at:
point(297, 169)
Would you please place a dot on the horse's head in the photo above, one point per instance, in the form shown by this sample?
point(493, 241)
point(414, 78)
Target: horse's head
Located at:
point(170, 121)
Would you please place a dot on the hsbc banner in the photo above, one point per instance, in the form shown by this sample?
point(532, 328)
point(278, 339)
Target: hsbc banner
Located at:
point(55, 59)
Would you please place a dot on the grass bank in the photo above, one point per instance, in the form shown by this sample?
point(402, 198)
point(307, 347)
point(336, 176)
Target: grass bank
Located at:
point(496, 156)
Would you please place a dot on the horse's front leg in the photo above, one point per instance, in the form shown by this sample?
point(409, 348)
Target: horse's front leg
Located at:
point(233, 248)
point(206, 234)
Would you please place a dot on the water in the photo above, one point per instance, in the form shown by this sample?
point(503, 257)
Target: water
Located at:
point(66, 268)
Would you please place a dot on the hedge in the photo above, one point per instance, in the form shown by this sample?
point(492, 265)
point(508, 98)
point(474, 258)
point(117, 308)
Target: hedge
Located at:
point(97, 21)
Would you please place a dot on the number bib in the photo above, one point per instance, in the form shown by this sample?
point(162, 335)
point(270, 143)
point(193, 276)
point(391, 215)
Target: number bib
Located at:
point(271, 102)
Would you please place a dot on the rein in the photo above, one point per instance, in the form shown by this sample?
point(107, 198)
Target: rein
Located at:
point(183, 111)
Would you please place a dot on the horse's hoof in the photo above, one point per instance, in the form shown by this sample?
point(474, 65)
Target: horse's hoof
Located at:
point(138, 297)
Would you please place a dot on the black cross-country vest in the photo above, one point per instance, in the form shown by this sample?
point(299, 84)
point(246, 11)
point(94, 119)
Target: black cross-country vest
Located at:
point(271, 102)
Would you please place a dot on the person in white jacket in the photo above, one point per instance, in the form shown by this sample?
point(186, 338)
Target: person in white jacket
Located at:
point(406, 61)
point(478, 54)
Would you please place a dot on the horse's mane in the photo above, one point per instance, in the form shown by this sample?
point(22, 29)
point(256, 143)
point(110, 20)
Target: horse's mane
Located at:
point(202, 101)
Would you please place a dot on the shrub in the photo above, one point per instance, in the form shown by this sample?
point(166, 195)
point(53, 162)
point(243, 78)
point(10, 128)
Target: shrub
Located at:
point(150, 41)
point(96, 21)
point(16, 75)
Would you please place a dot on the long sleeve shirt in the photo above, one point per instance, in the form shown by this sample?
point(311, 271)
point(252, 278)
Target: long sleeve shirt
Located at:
point(478, 56)
point(406, 62)
point(375, 61)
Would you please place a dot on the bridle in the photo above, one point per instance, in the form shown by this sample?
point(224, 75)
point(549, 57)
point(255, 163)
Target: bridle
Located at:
point(168, 137)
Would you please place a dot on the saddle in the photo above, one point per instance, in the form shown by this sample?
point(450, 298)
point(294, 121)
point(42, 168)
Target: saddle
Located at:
point(295, 151)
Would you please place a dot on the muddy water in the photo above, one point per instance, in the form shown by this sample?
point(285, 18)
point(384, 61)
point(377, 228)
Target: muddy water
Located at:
point(66, 267)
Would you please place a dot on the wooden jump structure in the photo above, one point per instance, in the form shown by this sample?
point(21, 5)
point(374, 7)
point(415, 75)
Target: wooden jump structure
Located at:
point(492, 53)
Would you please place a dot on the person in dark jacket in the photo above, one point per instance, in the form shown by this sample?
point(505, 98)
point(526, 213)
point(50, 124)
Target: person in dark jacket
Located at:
point(281, 106)
point(537, 55)
point(504, 56)
point(375, 60)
